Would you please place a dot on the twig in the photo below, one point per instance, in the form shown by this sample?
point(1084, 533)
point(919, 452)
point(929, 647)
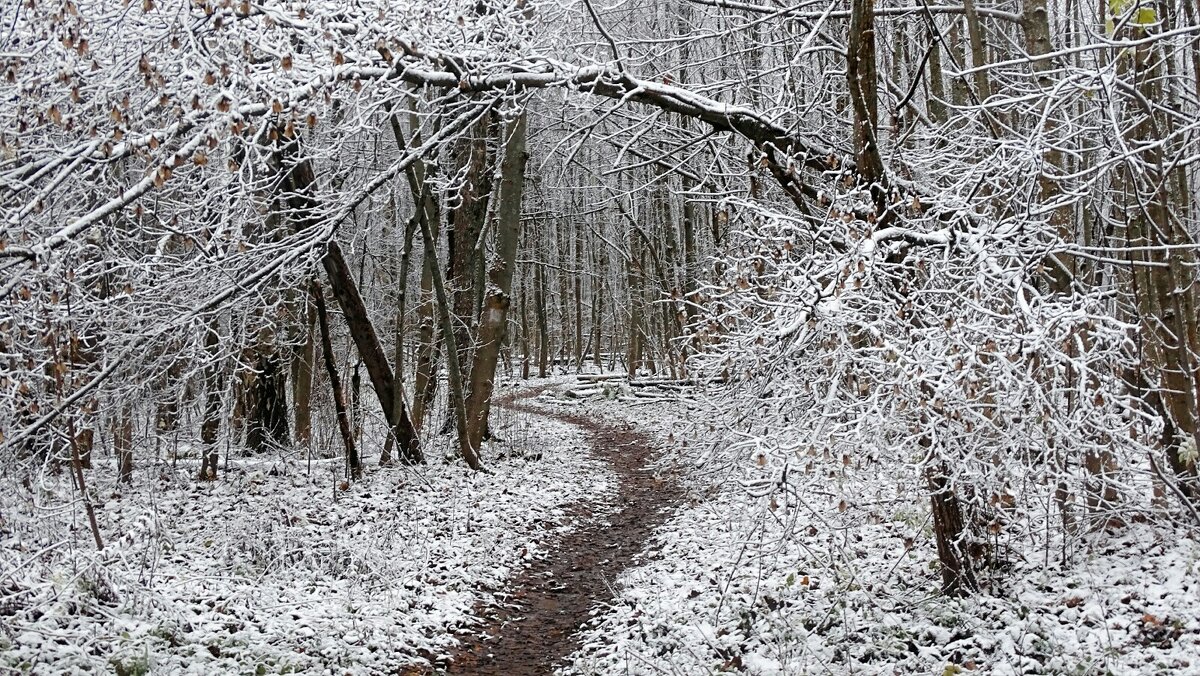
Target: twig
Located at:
point(607, 36)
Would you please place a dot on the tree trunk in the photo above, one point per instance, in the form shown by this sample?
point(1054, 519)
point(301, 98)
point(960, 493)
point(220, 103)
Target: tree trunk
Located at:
point(598, 308)
point(493, 320)
point(950, 532)
point(268, 423)
point(959, 90)
point(861, 78)
point(526, 352)
point(457, 400)
point(690, 265)
point(356, 409)
point(539, 302)
point(353, 462)
point(212, 408)
point(425, 380)
point(123, 443)
point(166, 416)
point(401, 298)
point(978, 39)
point(1164, 280)
point(936, 104)
point(370, 351)
point(633, 356)
point(302, 376)
point(577, 294)
point(85, 440)
point(465, 227)
point(77, 467)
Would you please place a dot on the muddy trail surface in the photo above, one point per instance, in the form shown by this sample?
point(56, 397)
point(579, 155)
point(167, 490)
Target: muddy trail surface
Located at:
point(536, 627)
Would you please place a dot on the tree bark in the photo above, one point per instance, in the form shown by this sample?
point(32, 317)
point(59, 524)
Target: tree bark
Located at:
point(598, 308)
point(493, 320)
point(526, 350)
point(457, 400)
point(936, 104)
point(862, 80)
point(77, 466)
point(85, 440)
point(978, 39)
point(371, 351)
point(465, 227)
point(425, 379)
point(212, 408)
point(123, 443)
point(353, 462)
point(302, 377)
point(539, 303)
point(577, 295)
point(401, 302)
point(268, 421)
point(1164, 280)
point(950, 533)
point(633, 356)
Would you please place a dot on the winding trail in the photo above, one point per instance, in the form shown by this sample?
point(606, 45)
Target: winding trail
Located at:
point(536, 628)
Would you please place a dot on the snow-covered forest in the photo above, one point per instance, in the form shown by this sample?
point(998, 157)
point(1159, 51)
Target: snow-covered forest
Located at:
point(599, 337)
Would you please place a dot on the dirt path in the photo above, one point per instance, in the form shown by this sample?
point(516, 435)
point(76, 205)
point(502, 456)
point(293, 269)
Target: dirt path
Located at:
point(536, 628)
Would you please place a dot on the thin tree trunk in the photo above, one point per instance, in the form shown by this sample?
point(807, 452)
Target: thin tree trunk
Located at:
point(268, 423)
point(577, 293)
point(526, 351)
point(598, 308)
point(425, 380)
point(457, 399)
point(339, 401)
point(401, 298)
point(1164, 280)
point(212, 407)
point(958, 84)
point(1101, 493)
point(77, 465)
point(563, 296)
point(633, 276)
point(167, 409)
point(123, 443)
point(539, 302)
point(936, 104)
point(862, 81)
point(978, 40)
point(86, 440)
point(465, 226)
point(690, 265)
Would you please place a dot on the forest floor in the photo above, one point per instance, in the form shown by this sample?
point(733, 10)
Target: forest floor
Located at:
point(618, 531)
point(819, 563)
point(281, 566)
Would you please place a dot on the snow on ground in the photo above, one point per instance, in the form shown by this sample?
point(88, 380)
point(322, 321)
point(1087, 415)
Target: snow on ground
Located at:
point(273, 569)
point(841, 577)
